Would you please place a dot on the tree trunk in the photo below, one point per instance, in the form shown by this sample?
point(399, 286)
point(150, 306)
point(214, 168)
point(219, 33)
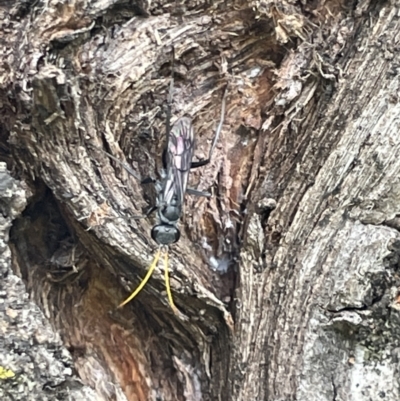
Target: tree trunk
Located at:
point(286, 279)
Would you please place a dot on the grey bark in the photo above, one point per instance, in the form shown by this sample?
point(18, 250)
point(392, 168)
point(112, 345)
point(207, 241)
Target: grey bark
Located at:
point(287, 279)
point(34, 364)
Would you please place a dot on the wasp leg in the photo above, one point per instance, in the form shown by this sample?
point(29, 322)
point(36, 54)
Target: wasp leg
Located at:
point(148, 180)
point(127, 168)
point(151, 211)
point(217, 133)
point(144, 281)
point(201, 163)
point(195, 192)
point(170, 94)
point(147, 214)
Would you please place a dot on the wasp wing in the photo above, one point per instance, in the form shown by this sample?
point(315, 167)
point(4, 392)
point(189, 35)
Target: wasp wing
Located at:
point(179, 155)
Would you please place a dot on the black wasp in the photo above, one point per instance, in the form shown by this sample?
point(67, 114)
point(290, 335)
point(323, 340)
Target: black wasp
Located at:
point(177, 160)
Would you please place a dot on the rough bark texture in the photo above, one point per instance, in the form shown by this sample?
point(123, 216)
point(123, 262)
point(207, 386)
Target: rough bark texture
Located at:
point(34, 365)
point(287, 279)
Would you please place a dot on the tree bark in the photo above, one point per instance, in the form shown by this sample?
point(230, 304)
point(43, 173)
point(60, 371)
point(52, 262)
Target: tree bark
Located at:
point(287, 278)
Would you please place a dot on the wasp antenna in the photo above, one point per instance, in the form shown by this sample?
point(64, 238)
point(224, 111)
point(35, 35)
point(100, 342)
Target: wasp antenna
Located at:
point(170, 94)
point(144, 281)
point(168, 287)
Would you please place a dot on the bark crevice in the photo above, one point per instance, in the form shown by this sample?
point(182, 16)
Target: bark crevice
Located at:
point(280, 262)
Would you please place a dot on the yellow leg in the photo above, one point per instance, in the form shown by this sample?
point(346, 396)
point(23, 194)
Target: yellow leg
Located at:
point(144, 281)
point(169, 293)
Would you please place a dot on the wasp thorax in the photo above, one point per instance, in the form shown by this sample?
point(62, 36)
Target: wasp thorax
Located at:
point(165, 234)
point(171, 212)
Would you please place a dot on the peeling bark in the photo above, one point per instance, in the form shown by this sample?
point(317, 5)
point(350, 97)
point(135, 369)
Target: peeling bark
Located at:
point(287, 278)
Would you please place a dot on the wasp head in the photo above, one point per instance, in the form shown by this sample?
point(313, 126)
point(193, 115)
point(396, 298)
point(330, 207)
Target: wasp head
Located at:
point(165, 234)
